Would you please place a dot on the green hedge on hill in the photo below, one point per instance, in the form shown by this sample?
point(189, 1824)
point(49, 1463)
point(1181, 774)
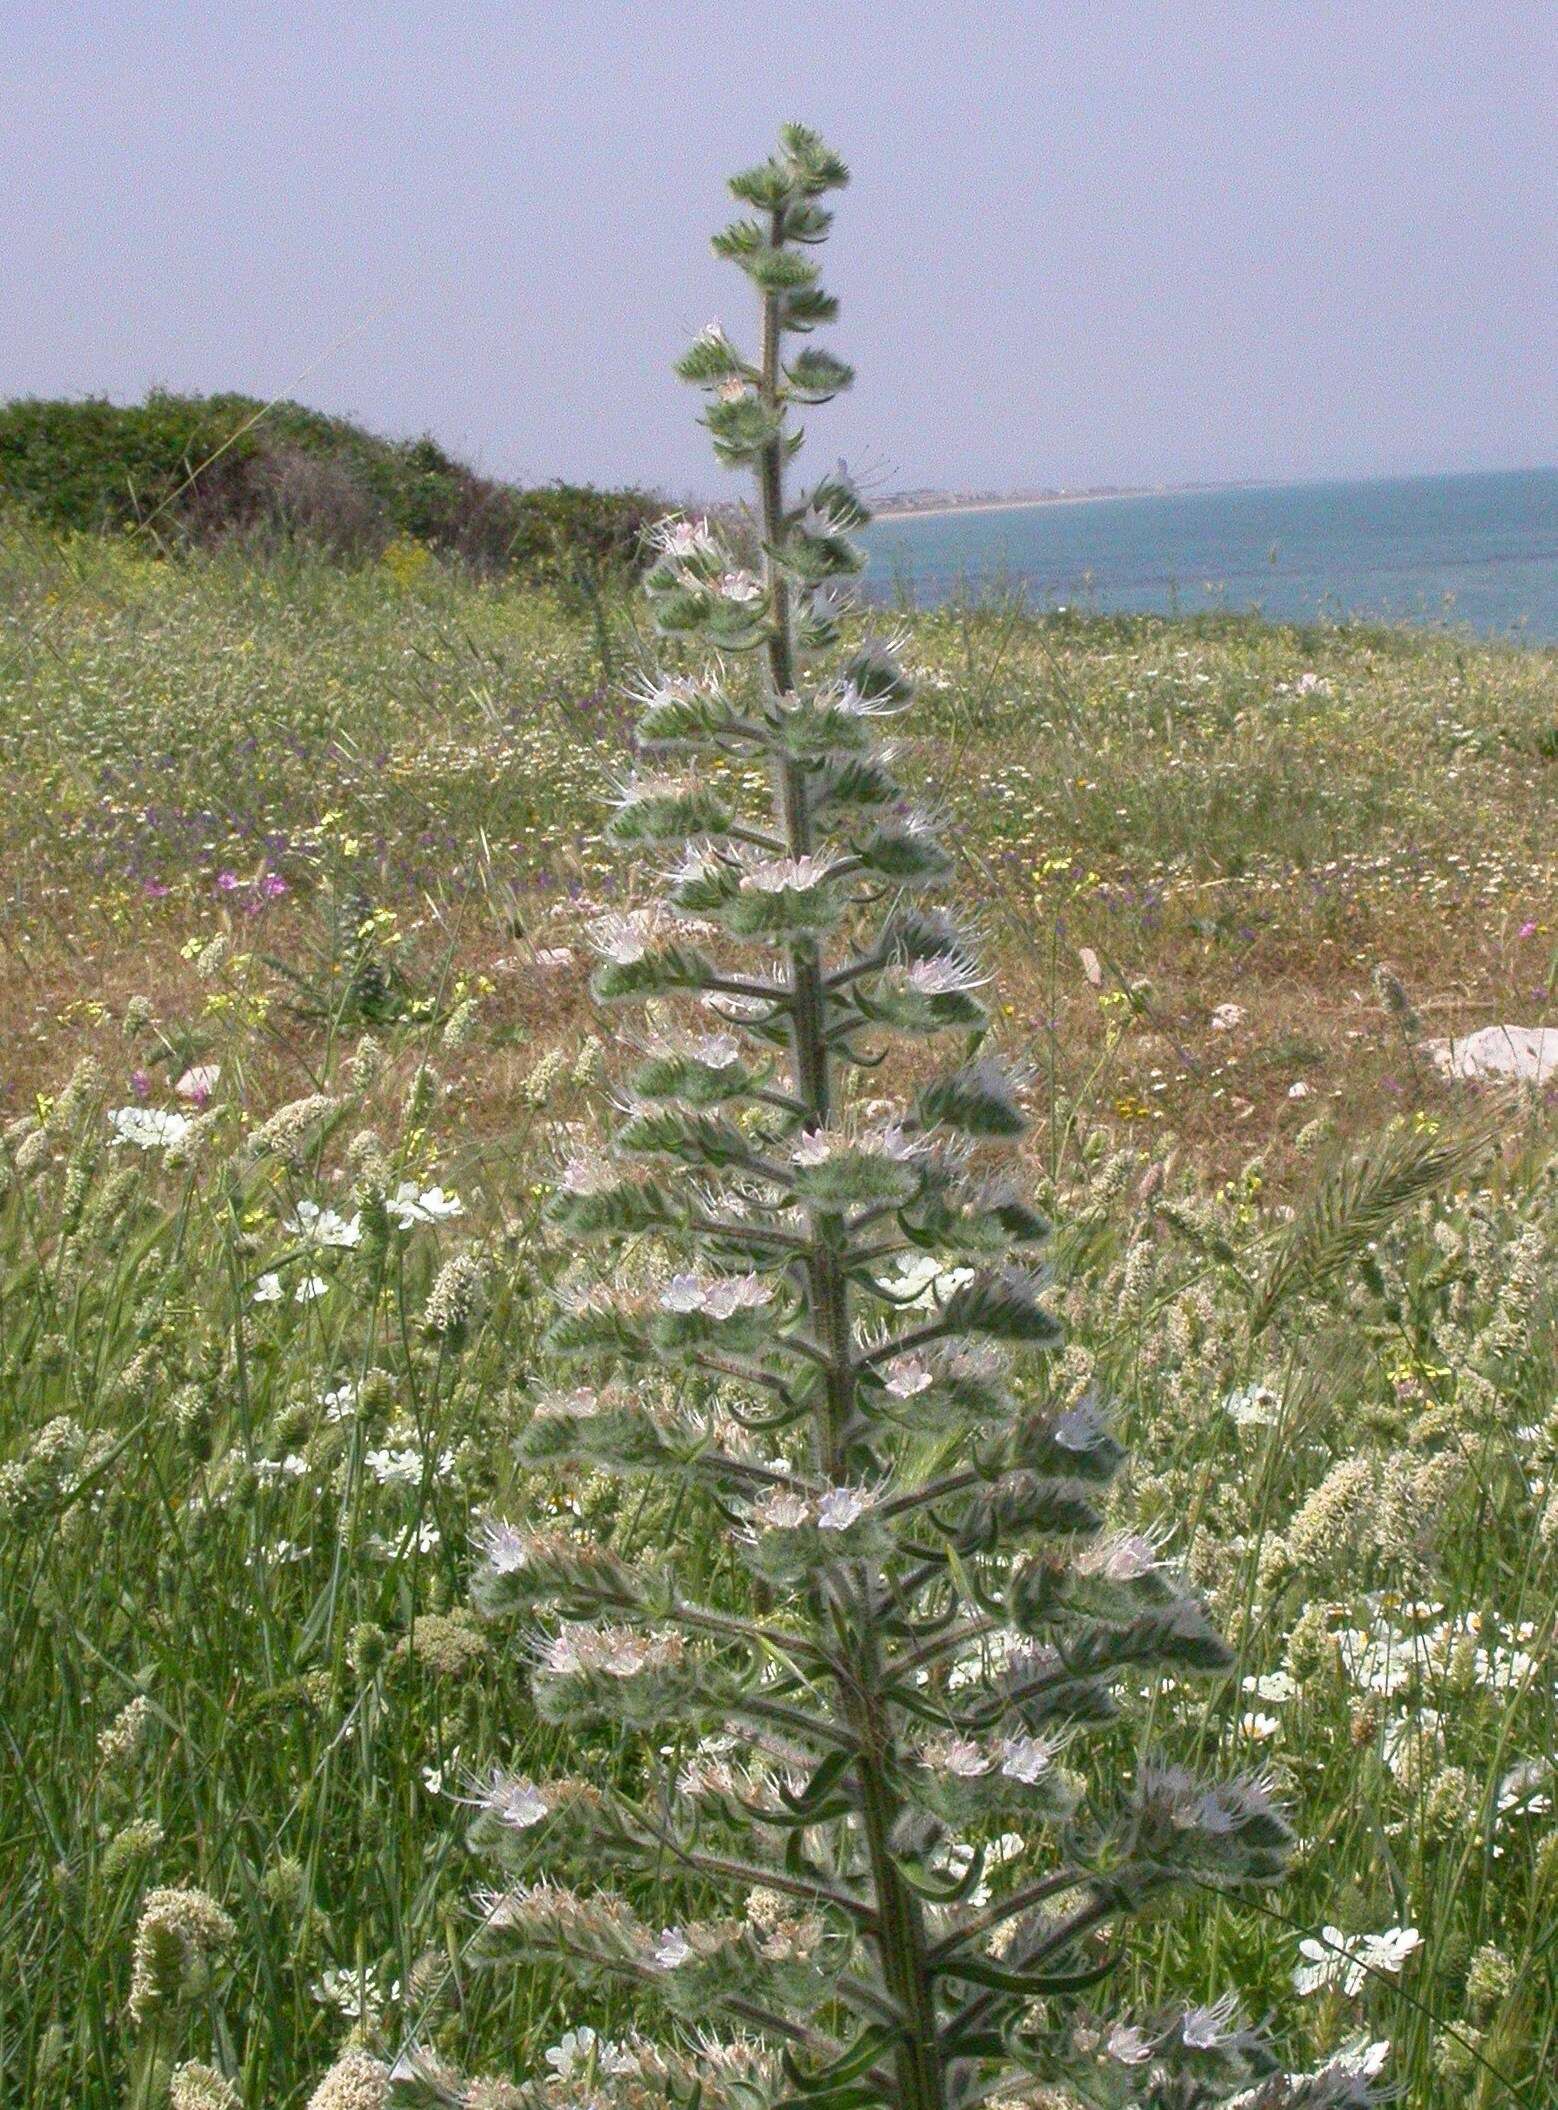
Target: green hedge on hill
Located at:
point(200, 469)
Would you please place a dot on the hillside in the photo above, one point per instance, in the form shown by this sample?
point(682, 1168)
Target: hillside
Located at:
point(202, 469)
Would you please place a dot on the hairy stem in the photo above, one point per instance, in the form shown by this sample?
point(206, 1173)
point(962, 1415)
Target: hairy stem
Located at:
point(899, 1931)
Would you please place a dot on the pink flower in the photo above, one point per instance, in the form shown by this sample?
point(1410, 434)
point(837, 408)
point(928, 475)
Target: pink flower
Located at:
point(154, 890)
point(1527, 929)
point(140, 1084)
point(229, 882)
point(273, 886)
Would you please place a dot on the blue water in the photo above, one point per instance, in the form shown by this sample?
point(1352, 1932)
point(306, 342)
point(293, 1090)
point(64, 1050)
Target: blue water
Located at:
point(1473, 551)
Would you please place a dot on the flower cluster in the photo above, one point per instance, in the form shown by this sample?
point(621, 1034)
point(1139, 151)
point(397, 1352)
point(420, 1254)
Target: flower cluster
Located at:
point(826, 1323)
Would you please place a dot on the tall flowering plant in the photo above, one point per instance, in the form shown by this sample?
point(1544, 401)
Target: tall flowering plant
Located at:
point(869, 1868)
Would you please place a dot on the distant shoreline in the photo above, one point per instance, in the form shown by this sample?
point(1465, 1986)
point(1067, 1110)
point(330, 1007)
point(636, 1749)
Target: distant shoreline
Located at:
point(1005, 505)
point(1056, 498)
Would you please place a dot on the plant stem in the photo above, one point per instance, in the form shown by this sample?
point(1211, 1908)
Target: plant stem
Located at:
point(899, 1930)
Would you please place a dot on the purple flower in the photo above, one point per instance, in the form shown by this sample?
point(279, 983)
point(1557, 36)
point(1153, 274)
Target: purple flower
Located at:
point(273, 886)
point(1527, 929)
point(154, 890)
point(140, 1082)
point(229, 882)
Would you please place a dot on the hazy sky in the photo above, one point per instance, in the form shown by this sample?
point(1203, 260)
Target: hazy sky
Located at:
point(1086, 242)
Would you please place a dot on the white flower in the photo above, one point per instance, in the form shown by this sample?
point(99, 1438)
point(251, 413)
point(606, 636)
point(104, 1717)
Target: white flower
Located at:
point(581, 2049)
point(1522, 1789)
point(624, 939)
point(842, 1506)
point(588, 1172)
point(1025, 1758)
point(1299, 1090)
point(512, 1799)
point(716, 1051)
point(1275, 1687)
point(907, 1375)
point(324, 1227)
point(1126, 1558)
point(673, 1948)
point(1227, 1016)
point(741, 587)
point(781, 1509)
point(340, 1404)
point(1252, 1406)
point(958, 1755)
point(268, 1289)
point(410, 1206)
point(351, 1993)
point(781, 874)
point(925, 1285)
point(148, 1127)
point(1258, 1727)
point(503, 1546)
point(945, 975)
point(720, 1298)
point(1204, 2028)
point(1129, 2045)
point(309, 1289)
point(1346, 1960)
point(681, 538)
point(389, 1467)
point(820, 1145)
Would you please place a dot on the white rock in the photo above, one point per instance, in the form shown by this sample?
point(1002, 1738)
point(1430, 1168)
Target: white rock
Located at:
point(1226, 1017)
point(1529, 1053)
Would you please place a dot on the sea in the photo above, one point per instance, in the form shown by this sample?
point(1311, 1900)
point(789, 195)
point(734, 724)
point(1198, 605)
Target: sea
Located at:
point(1476, 552)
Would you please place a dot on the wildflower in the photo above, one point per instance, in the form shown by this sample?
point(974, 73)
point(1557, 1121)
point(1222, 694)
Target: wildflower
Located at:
point(906, 1376)
point(199, 1082)
point(1026, 1758)
point(925, 1285)
point(149, 1128)
point(799, 875)
point(515, 1801)
point(958, 1755)
point(842, 1506)
point(324, 1227)
point(1129, 2045)
point(268, 1290)
point(580, 2050)
point(624, 939)
point(411, 1205)
point(781, 1509)
point(720, 1298)
point(672, 1949)
point(1346, 1961)
point(310, 1289)
point(352, 1993)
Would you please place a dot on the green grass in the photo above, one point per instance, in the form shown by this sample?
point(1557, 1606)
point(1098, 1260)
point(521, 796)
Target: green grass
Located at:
point(420, 761)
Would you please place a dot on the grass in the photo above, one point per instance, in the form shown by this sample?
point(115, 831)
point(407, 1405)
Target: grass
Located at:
point(259, 812)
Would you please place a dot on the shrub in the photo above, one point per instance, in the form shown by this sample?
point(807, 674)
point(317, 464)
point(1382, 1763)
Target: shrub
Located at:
point(815, 1330)
point(201, 469)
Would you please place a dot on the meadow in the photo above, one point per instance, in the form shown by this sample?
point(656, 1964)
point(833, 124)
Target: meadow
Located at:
point(298, 856)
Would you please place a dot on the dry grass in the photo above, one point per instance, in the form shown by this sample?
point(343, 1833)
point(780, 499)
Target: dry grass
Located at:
point(1155, 819)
